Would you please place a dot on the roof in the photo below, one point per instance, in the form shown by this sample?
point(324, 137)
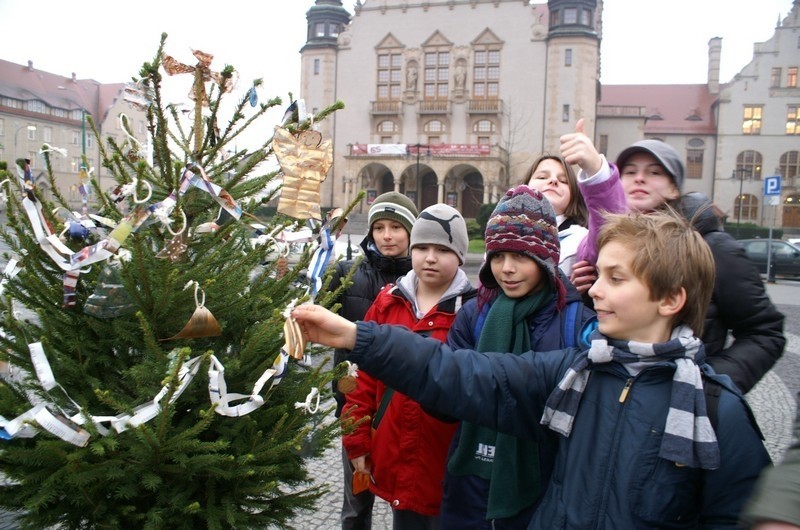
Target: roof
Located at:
point(676, 109)
point(26, 83)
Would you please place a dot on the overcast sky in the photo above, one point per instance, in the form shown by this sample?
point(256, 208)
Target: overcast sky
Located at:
point(644, 41)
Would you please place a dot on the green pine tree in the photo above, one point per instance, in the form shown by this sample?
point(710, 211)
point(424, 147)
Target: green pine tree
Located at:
point(188, 467)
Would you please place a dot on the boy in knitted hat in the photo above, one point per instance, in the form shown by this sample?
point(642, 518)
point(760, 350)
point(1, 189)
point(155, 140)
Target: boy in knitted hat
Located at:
point(386, 249)
point(637, 447)
point(393, 438)
point(493, 480)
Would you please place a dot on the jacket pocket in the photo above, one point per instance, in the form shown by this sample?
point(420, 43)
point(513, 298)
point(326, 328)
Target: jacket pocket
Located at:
point(664, 494)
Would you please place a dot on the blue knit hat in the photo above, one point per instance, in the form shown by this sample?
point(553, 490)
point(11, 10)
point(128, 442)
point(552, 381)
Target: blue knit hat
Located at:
point(524, 222)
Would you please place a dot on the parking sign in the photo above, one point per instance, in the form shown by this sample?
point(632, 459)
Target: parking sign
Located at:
point(772, 185)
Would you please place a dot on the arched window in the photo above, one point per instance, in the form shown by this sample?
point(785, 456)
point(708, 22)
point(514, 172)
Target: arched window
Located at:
point(435, 126)
point(745, 207)
point(789, 164)
point(484, 126)
point(748, 165)
point(387, 126)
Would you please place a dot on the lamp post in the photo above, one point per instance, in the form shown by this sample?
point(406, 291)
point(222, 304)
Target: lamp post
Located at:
point(16, 134)
point(428, 154)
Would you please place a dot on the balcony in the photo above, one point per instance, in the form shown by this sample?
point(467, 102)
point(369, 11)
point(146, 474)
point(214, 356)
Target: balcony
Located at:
point(485, 106)
point(386, 108)
point(434, 106)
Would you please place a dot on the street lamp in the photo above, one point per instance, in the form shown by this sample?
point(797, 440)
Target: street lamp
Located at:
point(427, 154)
point(16, 134)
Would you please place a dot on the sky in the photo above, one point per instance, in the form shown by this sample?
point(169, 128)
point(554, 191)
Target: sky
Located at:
point(644, 41)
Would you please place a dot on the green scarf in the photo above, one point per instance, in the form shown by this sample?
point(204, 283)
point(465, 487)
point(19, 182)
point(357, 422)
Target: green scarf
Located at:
point(510, 464)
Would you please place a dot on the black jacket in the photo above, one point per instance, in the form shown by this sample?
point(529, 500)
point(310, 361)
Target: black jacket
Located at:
point(739, 304)
point(372, 274)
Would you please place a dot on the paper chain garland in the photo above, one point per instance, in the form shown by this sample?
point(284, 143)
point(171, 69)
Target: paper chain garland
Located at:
point(68, 427)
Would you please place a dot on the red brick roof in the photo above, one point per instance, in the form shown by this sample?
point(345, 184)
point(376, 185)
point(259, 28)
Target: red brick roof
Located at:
point(27, 83)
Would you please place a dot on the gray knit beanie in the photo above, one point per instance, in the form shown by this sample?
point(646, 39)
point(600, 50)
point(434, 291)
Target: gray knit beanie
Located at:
point(441, 224)
point(394, 206)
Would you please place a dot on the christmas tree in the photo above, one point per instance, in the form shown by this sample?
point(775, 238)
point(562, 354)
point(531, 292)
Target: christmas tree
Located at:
point(152, 388)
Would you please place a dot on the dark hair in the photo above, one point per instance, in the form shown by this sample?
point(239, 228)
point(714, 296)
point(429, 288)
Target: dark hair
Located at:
point(576, 210)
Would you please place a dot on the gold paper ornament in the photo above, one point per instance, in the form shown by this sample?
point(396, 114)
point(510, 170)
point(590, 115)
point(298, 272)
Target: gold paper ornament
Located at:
point(304, 168)
point(202, 323)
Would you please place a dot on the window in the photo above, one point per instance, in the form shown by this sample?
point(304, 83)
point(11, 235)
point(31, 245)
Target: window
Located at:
point(568, 57)
point(437, 74)
point(484, 126)
point(316, 66)
point(387, 126)
point(789, 166)
point(76, 138)
point(47, 134)
point(319, 29)
point(76, 164)
point(745, 206)
point(434, 126)
point(486, 73)
point(389, 75)
point(35, 106)
point(570, 16)
point(565, 113)
point(483, 140)
point(586, 17)
point(387, 140)
point(775, 78)
point(748, 165)
point(554, 17)
point(334, 30)
point(752, 119)
point(694, 163)
point(602, 145)
point(792, 120)
point(89, 141)
point(2, 127)
point(791, 77)
point(31, 133)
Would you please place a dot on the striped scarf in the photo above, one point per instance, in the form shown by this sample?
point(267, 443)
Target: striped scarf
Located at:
point(689, 438)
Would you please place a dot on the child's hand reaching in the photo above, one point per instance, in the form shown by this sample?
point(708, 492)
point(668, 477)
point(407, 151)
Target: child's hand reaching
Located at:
point(325, 327)
point(577, 148)
point(583, 276)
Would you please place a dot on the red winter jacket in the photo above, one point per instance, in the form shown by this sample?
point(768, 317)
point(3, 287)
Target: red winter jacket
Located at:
point(409, 447)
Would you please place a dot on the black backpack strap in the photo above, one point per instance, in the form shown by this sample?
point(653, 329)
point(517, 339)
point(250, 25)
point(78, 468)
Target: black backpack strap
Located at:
point(713, 391)
point(387, 397)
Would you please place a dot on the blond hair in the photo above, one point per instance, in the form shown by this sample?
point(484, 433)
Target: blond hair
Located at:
point(668, 255)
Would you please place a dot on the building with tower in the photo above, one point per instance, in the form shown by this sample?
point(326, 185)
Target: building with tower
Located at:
point(451, 100)
point(447, 100)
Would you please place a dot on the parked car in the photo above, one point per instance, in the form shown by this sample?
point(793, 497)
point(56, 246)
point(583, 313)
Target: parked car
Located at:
point(785, 256)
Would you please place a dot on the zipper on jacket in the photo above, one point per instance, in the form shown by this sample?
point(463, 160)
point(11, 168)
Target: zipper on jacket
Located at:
point(624, 394)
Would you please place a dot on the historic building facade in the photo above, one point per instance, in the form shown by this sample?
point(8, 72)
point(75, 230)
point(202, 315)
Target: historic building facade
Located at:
point(41, 110)
point(449, 100)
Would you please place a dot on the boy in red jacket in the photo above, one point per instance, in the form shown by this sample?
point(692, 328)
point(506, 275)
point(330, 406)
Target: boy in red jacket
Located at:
point(393, 438)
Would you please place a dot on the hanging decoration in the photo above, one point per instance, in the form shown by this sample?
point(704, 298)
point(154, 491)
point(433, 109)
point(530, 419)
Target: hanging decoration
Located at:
point(202, 323)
